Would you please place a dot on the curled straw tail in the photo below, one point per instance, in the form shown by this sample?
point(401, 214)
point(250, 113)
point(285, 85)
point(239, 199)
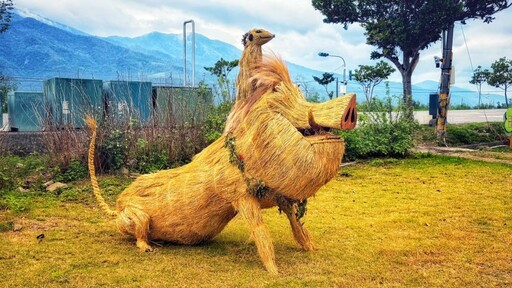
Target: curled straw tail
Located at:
point(91, 122)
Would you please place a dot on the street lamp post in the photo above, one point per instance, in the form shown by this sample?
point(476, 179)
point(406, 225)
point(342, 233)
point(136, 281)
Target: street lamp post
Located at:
point(323, 54)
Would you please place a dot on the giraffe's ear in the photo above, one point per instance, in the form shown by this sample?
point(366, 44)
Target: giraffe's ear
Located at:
point(244, 39)
point(251, 37)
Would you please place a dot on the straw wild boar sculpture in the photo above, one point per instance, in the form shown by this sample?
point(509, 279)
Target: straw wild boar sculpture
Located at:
point(276, 151)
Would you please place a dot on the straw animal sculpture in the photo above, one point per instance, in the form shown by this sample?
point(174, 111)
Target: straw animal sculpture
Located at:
point(251, 56)
point(277, 152)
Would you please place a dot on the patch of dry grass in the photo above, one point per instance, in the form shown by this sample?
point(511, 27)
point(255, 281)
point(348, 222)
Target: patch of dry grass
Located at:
point(432, 222)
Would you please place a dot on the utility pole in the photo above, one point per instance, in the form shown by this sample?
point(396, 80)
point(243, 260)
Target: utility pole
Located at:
point(185, 52)
point(444, 91)
point(337, 85)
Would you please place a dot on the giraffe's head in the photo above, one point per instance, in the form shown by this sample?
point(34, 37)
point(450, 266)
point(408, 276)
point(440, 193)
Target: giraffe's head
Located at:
point(257, 37)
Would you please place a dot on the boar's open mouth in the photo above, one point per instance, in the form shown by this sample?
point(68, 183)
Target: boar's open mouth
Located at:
point(317, 131)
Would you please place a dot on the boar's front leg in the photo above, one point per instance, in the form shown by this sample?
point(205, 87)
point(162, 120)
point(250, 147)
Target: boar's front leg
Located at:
point(250, 210)
point(300, 233)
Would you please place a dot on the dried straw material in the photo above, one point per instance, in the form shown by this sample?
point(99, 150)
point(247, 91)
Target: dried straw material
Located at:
point(275, 144)
point(92, 171)
point(251, 56)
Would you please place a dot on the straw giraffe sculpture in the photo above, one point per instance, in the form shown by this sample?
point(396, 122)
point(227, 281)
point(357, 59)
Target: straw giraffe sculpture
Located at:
point(277, 151)
point(251, 56)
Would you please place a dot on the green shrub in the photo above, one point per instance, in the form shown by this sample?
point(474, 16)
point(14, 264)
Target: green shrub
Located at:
point(113, 150)
point(216, 120)
point(16, 203)
point(473, 133)
point(76, 171)
point(148, 158)
point(461, 106)
point(28, 172)
point(380, 134)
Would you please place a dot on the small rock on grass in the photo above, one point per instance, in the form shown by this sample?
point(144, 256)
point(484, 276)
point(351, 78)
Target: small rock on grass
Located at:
point(17, 227)
point(48, 183)
point(56, 186)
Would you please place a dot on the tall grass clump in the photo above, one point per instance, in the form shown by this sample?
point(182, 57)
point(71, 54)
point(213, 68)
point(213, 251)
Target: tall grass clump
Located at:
point(158, 132)
point(172, 135)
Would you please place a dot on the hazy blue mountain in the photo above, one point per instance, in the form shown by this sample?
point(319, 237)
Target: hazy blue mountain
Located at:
point(208, 51)
point(33, 49)
point(169, 48)
point(37, 48)
point(458, 96)
point(22, 13)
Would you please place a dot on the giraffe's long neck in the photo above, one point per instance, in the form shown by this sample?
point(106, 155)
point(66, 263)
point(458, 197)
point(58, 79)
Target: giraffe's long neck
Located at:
point(251, 56)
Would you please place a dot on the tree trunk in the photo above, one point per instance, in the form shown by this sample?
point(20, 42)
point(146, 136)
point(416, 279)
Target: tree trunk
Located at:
point(407, 94)
point(506, 98)
point(409, 62)
point(479, 86)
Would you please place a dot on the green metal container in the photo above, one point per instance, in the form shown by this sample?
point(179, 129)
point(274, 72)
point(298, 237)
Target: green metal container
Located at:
point(71, 99)
point(181, 105)
point(26, 110)
point(128, 100)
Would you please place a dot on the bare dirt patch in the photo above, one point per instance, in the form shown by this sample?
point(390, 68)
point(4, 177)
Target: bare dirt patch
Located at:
point(488, 155)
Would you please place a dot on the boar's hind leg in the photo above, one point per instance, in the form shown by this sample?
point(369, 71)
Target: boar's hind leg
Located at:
point(135, 222)
point(250, 210)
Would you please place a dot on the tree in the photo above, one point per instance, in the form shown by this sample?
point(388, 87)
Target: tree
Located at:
point(401, 29)
point(501, 75)
point(6, 7)
point(371, 76)
point(479, 77)
point(221, 69)
point(309, 93)
point(326, 79)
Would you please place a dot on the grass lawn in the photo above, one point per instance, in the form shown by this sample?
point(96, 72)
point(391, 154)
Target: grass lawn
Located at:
point(430, 221)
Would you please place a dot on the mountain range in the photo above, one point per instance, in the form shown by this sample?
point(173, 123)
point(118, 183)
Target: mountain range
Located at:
point(36, 48)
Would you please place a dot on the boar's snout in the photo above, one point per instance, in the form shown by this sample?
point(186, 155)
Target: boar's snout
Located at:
point(349, 119)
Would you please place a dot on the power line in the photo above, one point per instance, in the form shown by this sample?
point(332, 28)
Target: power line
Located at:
point(467, 48)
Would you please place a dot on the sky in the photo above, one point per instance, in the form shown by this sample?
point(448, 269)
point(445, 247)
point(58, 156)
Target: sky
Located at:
point(299, 29)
